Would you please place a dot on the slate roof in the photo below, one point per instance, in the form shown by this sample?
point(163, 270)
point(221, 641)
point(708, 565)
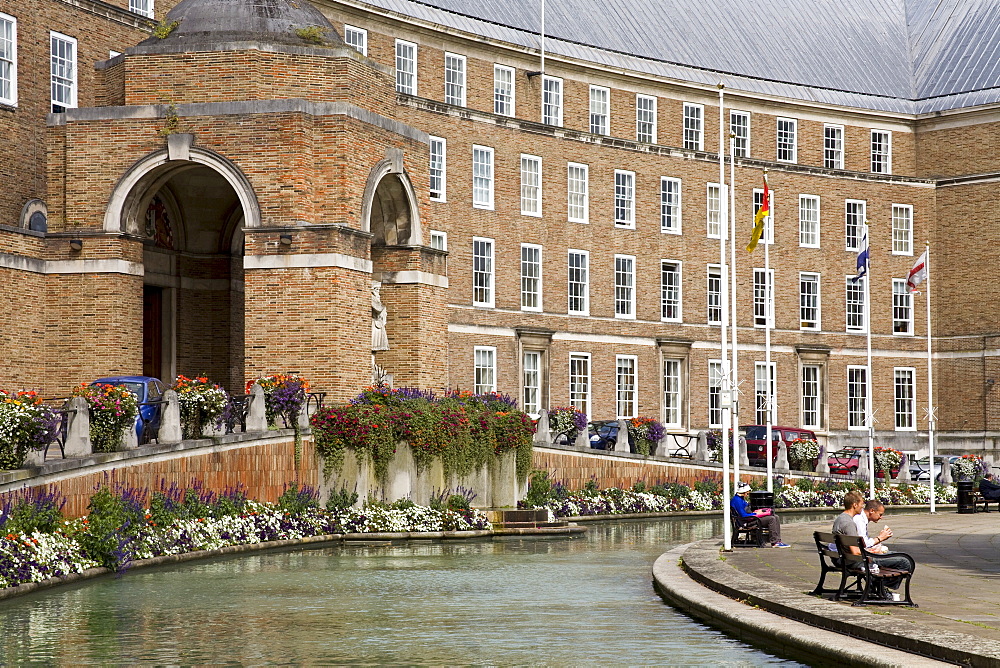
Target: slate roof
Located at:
point(908, 56)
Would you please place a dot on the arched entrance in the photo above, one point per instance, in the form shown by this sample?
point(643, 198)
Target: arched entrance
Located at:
point(190, 218)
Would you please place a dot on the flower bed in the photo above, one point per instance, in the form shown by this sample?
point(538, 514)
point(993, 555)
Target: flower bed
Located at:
point(201, 402)
point(25, 424)
point(128, 524)
point(113, 408)
point(968, 467)
point(707, 495)
point(646, 433)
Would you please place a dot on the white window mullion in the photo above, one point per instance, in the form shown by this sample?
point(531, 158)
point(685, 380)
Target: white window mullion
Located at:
point(454, 79)
point(670, 205)
point(406, 67)
point(578, 290)
point(482, 272)
point(482, 177)
point(624, 199)
point(531, 277)
point(63, 71)
point(625, 286)
point(485, 369)
point(626, 386)
point(438, 167)
point(503, 90)
point(8, 60)
point(531, 185)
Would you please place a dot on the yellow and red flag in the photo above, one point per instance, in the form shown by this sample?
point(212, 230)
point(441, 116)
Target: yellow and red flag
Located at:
point(758, 220)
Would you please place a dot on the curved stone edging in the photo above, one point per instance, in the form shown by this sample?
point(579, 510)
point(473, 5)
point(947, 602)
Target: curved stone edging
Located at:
point(702, 563)
point(757, 626)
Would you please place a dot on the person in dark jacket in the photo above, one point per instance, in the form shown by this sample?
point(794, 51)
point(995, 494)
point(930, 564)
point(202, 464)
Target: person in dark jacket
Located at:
point(989, 488)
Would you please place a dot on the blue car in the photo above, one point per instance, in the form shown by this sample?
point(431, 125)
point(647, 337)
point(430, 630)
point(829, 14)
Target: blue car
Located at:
point(150, 391)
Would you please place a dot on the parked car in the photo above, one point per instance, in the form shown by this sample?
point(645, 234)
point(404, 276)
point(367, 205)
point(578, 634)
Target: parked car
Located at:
point(149, 391)
point(756, 437)
point(846, 461)
point(920, 468)
point(603, 434)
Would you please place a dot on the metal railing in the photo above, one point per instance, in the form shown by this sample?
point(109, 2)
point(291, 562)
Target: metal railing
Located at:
point(682, 450)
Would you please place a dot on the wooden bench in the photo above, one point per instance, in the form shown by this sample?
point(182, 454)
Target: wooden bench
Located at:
point(980, 501)
point(869, 586)
point(748, 531)
point(830, 562)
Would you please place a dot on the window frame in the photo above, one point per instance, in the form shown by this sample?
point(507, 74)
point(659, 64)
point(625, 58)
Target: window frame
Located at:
point(666, 288)
point(858, 225)
point(548, 104)
point(489, 287)
point(861, 382)
point(804, 233)
point(624, 202)
point(881, 160)
point(902, 236)
point(806, 397)
point(532, 408)
point(624, 292)
point(624, 396)
point(583, 405)
point(902, 304)
point(491, 352)
point(11, 80)
point(761, 302)
point(714, 393)
point(402, 72)
point(348, 30)
point(671, 205)
point(815, 324)
point(709, 210)
point(538, 307)
point(459, 83)
point(645, 128)
point(760, 394)
point(440, 194)
point(73, 87)
point(599, 122)
point(584, 195)
point(498, 102)
point(148, 12)
point(537, 200)
point(740, 152)
point(487, 178)
point(694, 127)
point(909, 413)
point(833, 155)
point(677, 404)
point(584, 295)
point(856, 306)
point(443, 236)
point(789, 148)
point(713, 272)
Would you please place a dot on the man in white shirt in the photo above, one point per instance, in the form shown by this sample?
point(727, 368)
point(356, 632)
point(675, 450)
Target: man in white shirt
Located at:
point(873, 512)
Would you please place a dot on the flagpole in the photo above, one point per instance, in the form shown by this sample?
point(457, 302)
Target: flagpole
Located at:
point(869, 417)
point(931, 420)
point(725, 394)
point(734, 385)
point(769, 322)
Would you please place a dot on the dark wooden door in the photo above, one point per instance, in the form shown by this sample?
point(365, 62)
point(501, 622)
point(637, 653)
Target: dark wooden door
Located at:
point(152, 331)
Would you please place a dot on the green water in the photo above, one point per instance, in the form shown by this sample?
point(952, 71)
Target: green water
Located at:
point(555, 601)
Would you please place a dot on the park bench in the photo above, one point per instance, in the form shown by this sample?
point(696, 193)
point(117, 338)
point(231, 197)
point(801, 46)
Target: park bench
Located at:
point(749, 532)
point(869, 587)
point(830, 562)
point(980, 501)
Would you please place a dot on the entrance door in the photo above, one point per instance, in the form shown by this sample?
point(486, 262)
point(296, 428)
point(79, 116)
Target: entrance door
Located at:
point(152, 331)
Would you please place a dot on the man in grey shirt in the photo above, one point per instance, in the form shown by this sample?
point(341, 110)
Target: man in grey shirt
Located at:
point(845, 525)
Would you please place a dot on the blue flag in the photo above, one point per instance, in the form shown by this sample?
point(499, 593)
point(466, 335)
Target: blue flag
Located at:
point(862, 255)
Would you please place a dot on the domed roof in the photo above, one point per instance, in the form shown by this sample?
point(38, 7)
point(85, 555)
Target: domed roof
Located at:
point(203, 22)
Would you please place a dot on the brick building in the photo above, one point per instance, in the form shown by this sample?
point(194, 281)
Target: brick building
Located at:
point(216, 196)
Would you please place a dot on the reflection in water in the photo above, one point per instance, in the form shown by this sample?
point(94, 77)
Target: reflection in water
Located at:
point(562, 601)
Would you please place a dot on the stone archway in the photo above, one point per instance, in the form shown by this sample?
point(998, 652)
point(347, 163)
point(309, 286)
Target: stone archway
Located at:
point(190, 218)
point(389, 208)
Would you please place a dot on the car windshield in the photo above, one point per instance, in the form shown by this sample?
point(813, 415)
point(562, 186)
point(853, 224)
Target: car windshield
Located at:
point(844, 454)
point(134, 388)
point(760, 434)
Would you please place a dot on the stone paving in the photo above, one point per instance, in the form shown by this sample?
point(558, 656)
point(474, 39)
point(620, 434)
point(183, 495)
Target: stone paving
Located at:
point(956, 583)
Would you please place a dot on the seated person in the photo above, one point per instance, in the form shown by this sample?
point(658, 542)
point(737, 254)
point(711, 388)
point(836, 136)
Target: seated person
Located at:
point(767, 518)
point(989, 488)
point(854, 522)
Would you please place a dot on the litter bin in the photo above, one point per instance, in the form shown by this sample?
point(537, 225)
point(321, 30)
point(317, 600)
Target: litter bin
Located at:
point(966, 502)
point(761, 499)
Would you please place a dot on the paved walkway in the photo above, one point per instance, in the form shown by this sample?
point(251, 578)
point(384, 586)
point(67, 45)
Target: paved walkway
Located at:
point(956, 583)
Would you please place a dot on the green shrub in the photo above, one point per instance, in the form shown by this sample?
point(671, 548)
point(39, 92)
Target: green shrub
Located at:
point(341, 500)
point(296, 501)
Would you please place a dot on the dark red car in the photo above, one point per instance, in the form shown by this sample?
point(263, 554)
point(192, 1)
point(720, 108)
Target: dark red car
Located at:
point(756, 436)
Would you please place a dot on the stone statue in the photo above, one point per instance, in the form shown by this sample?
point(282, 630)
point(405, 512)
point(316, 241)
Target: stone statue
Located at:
point(380, 340)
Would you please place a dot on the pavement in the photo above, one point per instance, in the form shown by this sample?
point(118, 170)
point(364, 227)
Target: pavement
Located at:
point(956, 584)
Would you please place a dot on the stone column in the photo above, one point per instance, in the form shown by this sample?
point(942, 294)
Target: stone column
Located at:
point(945, 472)
point(744, 458)
point(701, 450)
point(863, 465)
point(621, 440)
point(78, 428)
point(781, 464)
point(823, 463)
point(257, 414)
point(542, 435)
point(904, 470)
point(130, 440)
point(170, 421)
point(582, 438)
